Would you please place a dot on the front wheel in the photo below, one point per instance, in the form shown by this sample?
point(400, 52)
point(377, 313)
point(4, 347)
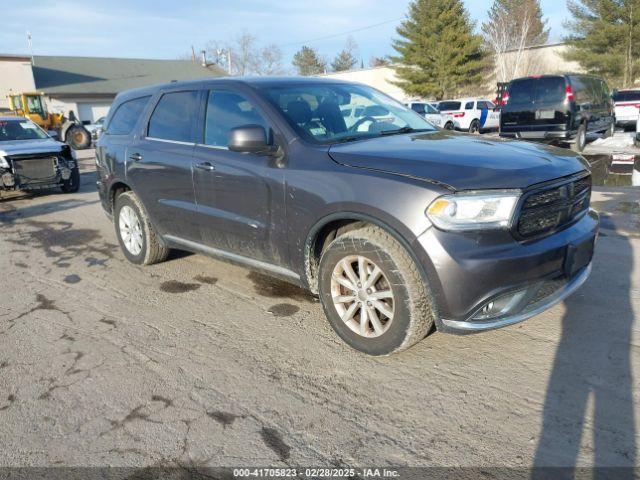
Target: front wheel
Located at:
point(72, 184)
point(448, 126)
point(78, 137)
point(138, 240)
point(373, 294)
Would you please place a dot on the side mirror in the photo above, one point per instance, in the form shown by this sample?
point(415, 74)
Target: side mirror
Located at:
point(249, 139)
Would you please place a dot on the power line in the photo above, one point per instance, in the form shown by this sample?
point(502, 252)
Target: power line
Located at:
point(327, 37)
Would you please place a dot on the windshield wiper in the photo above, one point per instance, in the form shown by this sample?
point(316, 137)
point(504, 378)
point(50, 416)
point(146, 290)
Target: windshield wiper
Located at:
point(406, 129)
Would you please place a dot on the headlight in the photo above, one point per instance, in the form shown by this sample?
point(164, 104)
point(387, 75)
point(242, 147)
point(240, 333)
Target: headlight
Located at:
point(3, 162)
point(474, 210)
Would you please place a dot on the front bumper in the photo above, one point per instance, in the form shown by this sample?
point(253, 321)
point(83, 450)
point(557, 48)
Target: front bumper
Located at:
point(469, 272)
point(531, 309)
point(14, 178)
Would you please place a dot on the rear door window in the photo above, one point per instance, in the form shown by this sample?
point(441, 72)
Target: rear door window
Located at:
point(126, 116)
point(174, 117)
point(544, 89)
point(469, 106)
point(522, 91)
point(550, 89)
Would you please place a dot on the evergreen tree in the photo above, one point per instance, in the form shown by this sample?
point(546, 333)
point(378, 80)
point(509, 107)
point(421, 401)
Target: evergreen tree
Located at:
point(308, 62)
point(511, 14)
point(346, 59)
point(438, 53)
point(605, 36)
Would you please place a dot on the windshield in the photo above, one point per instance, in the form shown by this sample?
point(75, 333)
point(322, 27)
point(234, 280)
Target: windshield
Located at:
point(325, 113)
point(11, 130)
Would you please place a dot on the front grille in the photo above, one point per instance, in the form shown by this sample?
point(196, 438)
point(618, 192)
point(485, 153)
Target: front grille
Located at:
point(546, 209)
point(35, 170)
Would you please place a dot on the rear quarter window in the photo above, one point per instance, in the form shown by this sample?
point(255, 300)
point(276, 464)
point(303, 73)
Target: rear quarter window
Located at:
point(126, 116)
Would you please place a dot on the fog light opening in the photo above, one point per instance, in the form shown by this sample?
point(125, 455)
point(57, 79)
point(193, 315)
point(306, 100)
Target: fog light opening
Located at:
point(501, 306)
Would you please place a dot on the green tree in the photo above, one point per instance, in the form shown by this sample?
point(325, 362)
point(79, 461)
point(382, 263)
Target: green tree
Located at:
point(346, 59)
point(308, 62)
point(519, 17)
point(438, 53)
point(605, 38)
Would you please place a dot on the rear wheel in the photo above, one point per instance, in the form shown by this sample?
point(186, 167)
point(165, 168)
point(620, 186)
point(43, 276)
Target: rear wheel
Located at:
point(138, 240)
point(78, 137)
point(474, 127)
point(448, 126)
point(373, 294)
point(581, 139)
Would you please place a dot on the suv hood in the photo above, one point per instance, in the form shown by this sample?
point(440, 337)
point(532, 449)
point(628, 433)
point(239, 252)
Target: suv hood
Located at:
point(17, 147)
point(464, 162)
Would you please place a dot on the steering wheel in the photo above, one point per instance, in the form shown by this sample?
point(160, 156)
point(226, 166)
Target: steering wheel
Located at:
point(354, 127)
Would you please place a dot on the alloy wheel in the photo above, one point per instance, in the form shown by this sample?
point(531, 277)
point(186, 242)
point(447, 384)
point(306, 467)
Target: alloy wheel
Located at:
point(362, 296)
point(130, 230)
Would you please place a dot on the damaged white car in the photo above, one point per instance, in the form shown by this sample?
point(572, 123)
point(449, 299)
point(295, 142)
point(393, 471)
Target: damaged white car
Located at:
point(31, 160)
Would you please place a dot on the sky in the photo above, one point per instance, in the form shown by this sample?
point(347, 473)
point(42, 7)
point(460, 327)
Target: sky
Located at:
point(168, 29)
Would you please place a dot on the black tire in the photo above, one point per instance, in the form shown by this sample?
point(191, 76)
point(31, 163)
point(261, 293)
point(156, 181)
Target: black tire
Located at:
point(413, 309)
point(581, 139)
point(73, 184)
point(474, 127)
point(78, 137)
point(448, 126)
point(152, 251)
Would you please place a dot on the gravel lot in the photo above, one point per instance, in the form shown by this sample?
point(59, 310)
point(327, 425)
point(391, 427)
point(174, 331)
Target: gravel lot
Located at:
point(197, 362)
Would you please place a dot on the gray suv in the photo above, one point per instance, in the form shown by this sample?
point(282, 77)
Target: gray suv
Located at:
point(400, 228)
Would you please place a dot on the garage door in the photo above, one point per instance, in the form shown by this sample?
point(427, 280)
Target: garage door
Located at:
point(92, 111)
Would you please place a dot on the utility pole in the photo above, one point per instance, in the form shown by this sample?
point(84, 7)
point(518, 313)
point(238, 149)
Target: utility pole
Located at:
point(30, 46)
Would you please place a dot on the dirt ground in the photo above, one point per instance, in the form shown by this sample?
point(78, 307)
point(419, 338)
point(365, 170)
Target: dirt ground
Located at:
point(197, 362)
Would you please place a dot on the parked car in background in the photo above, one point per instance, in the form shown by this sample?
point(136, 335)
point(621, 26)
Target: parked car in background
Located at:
point(31, 160)
point(627, 107)
point(95, 128)
point(469, 114)
point(399, 227)
point(430, 113)
point(557, 108)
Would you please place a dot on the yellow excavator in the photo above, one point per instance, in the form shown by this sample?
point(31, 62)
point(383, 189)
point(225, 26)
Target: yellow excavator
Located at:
point(33, 106)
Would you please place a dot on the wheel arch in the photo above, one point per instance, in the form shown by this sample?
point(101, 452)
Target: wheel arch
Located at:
point(329, 226)
point(115, 189)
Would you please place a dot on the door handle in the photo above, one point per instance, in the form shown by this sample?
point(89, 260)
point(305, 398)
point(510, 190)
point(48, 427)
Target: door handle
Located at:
point(206, 166)
point(136, 157)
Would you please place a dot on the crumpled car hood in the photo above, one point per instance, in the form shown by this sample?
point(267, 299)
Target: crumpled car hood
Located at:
point(18, 147)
